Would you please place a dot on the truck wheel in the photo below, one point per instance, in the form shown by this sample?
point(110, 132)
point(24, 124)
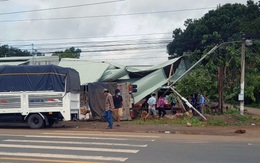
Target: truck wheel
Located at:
point(35, 121)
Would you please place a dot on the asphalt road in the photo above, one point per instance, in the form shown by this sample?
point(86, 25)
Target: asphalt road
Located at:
point(66, 146)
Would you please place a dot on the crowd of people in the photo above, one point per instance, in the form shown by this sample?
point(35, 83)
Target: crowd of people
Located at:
point(199, 101)
point(114, 105)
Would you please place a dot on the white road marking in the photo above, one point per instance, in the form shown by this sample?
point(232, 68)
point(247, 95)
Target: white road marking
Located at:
point(81, 137)
point(78, 137)
point(192, 141)
point(69, 142)
point(62, 156)
point(100, 134)
point(70, 148)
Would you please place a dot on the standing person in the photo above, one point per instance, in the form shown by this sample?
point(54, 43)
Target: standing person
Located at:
point(151, 106)
point(193, 100)
point(109, 107)
point(119, 105)
point(160, 106)
point(207, 101)
point(201, 103)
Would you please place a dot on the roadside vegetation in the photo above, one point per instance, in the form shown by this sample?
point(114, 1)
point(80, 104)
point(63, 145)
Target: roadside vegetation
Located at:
point(230, 117)
point(230, 23)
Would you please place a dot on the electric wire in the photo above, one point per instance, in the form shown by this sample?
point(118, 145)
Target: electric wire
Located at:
point(86, 37)
point(57, 8)
point(102, 43)
point(103, 16)
point(101, 47)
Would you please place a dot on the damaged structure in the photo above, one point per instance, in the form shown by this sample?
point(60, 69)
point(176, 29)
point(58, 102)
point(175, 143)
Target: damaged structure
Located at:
point(95, 76)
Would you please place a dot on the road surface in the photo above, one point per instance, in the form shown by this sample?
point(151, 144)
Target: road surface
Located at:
point(65, 146)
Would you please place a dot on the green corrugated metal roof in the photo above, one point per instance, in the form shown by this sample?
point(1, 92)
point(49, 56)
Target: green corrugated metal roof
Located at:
point(157, 79)
point(151, 68)
point(149, 83)
point(89, 71)
point(13, 63)
point(113, 75)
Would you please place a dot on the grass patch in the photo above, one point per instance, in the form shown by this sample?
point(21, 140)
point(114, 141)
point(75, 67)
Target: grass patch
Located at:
point(231, 117)
point(215, 121)
point(195, 121)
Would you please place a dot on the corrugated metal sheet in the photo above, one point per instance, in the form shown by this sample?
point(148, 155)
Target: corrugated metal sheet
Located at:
point(23, 58)
point(113, 75)
point(138, 68)
point(13, 63)
point(152, 68)
point(149, 83)
point(158, 78)
point(183, 67)
point(30, 60)
point(89, 71)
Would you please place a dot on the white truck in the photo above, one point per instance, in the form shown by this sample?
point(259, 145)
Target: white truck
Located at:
point(38, 95)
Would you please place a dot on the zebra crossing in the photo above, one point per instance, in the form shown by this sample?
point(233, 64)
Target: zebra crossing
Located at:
point(72, 146)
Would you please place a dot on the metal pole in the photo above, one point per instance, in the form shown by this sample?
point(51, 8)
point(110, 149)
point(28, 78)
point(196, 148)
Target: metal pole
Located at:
point(211, 51)
point(242, 84)
point(187, 103)
point(208, 53)
point(33, 61)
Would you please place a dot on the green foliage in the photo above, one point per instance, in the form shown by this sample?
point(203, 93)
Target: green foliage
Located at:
point(197, 81)
point(195, 121)
point(68, 53)
point(224, 24)
point(230, 118)
point(6, 51)
point(215, 121)
point(231, 111)
point(171, 98)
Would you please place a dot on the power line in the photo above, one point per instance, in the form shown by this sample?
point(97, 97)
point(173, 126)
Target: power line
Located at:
point(116, 57)
point(101, 46)
point(104, 16)
point(133, 58)
point(57, 8)
point(113, 50)
point(86, 37)
point(105, 43)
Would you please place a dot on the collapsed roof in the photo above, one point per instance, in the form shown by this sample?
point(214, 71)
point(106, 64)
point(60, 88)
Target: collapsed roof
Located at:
point(147, 78)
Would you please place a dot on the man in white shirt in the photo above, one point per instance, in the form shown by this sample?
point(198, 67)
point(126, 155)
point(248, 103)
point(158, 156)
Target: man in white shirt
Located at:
point(151, 106)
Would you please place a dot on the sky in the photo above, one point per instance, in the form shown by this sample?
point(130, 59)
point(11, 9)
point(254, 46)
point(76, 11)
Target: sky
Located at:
point(128, 32)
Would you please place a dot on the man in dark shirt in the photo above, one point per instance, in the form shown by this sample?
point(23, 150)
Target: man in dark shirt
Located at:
point(118, 103)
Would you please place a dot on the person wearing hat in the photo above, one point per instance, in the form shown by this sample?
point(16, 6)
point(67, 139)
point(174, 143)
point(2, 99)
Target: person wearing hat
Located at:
point(109, 107)
point(118, 102)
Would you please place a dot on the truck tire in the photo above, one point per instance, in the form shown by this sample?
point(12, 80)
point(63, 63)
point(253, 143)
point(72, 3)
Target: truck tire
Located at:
point(35, 121)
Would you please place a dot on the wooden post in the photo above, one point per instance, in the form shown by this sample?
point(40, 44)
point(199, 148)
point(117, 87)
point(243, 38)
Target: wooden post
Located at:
point(220, 88)
point(170, 74)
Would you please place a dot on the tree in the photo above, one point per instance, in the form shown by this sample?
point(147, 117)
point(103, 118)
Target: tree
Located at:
point(68, 53)
point(228, 21)
point(224, 24)
point(6, 51)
